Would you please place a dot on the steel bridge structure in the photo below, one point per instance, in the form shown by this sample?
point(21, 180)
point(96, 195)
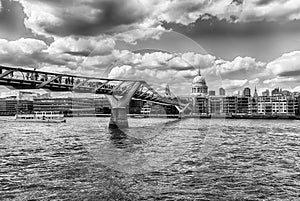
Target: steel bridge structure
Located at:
point(118, 91)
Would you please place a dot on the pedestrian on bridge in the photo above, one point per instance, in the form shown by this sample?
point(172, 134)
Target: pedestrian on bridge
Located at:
point(36, 75)
point(27, 75)
point(66, 81)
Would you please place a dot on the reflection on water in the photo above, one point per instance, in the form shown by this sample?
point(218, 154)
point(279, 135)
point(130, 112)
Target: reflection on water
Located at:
point(155, 159)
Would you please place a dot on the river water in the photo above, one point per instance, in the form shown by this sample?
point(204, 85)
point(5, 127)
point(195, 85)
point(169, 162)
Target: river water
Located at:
point(155, 159)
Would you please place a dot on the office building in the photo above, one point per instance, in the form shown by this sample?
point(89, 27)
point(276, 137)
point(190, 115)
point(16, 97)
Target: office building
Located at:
point(12, 105)
point(216, 105)
point(266, 93)
point(212, 93)
point(247, 92)
point(222, 92)
point(230, 105)
point(243, 105)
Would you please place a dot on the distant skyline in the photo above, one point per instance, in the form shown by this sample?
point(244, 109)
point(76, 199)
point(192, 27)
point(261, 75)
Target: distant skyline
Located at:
point(235, 43)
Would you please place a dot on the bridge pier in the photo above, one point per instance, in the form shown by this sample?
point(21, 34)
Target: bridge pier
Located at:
point(118, 118)
point(181, 110)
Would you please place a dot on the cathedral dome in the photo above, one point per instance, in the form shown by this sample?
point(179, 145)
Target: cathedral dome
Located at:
point(199, 87)
point(199, 80)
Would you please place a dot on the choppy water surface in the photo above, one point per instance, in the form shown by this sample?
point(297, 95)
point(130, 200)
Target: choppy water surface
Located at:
point(156, 159)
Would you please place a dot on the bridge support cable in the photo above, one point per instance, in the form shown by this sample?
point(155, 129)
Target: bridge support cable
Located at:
point(118, 117)
point(80, 84)
point(101, 86)
point(6, 73)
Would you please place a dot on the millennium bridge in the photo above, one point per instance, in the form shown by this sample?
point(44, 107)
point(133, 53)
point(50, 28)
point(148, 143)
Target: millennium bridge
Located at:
point(118, 91)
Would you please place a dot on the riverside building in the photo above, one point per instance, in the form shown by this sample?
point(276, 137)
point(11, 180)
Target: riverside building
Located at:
point(200, 95)
point(280, 103)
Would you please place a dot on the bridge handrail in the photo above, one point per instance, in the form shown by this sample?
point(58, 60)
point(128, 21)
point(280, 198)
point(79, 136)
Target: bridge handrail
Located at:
point(65, 74)
point(151, 93)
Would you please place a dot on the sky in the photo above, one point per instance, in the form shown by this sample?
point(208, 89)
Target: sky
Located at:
point(235, 43)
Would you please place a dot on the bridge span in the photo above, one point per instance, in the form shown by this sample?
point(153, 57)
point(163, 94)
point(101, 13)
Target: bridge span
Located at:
point(118, 91)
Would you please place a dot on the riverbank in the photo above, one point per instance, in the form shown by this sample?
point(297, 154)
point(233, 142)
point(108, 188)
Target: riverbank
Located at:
point(290, 117)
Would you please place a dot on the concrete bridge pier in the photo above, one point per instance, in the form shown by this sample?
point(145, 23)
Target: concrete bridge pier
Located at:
point(118, 118)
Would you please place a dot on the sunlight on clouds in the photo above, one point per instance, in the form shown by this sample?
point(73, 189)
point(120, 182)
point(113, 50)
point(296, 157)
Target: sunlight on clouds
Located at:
point(22, 46)
point(286, 65)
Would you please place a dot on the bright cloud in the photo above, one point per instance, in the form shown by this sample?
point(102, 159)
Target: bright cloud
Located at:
point(286, 65)
point(270, 10)
point(238, 64)
point(234, 84)
point(25, 51)
point(22, 46)
point(82, 46)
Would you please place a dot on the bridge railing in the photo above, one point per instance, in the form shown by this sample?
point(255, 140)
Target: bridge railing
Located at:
point(24, 78)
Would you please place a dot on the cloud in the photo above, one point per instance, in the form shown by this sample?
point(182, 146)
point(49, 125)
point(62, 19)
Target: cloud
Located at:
point(180, 69)
point(238, 68)
point(25, 51)
point(281, 81)
point(11, 20)
point(286, 65)
point(159, 68)
point(141, 33)
point(163, 61)
point(22, 46)
point(82, 18)
point(254, 81)
point(244, 64)
point(183, 12)
point(29, 52)
point(142, 17)
point(233, 84)
point(82, 46)
point(270, 10)
point(187, 12)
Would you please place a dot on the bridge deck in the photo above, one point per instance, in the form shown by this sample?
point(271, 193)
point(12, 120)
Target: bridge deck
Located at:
point(21, 78)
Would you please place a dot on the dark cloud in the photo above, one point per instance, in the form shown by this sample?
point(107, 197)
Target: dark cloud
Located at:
point(33, 60)
point(264, 2)
point(104, 16)
point(216, 27)
point(264, 40)
point(237, 2)
point(11, 20)
point(290, 73)
point(81, 53)
point(182, 68)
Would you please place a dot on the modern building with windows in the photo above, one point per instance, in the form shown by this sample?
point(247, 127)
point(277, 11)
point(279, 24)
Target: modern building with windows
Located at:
point(212, 93)
point(266, 93)
point(247, 92)
point(277, 105)
point(230, 105)
point(216, 105)
point(243, 105)
point(222, 92)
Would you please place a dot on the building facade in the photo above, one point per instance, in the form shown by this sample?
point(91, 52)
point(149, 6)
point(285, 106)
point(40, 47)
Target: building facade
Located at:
point(222, 92)
point(200, 95)
point(247, 92)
